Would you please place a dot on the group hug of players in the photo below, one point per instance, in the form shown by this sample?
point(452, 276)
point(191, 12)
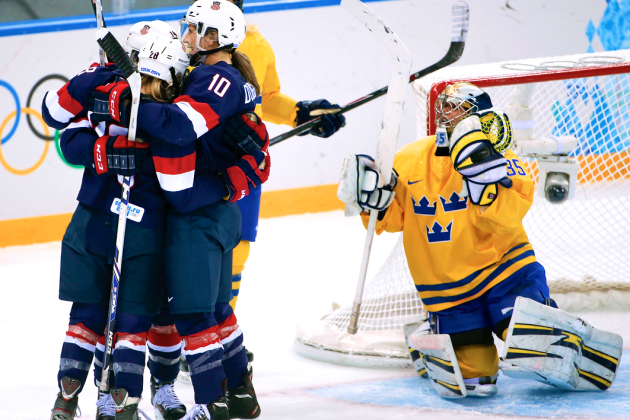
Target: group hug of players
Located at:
point(200, 158)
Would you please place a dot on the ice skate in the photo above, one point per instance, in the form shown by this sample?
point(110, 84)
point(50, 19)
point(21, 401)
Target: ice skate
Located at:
point(67, 401)
point(166, 403)
point(242, 401)
point(126, 406)
point(217, 410)
point(105, 407)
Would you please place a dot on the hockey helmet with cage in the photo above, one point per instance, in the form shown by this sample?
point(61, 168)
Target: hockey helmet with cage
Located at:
point(458, 101)
point(163, 57)
point(223, 16)
point(141, 32)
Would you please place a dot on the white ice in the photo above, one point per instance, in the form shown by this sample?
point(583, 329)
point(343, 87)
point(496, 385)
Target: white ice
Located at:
point(297, 267)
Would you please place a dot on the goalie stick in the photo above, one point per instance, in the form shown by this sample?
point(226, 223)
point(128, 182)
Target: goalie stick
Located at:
point(390, 127)
point(112, 48)
point(460, 17)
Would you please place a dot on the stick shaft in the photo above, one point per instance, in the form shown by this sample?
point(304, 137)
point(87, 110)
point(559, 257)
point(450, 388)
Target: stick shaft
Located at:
point(367, 249)
point(460, 18)
point(97, 6)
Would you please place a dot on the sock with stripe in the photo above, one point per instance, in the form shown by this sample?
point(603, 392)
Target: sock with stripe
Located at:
point(203, 351)
point(234, 354)
point(164, 345)
point(77, 352)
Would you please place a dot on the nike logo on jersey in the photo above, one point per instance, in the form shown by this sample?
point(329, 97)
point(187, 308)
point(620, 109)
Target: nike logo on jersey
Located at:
point(506, 310)
point(169, 299)
point(414, 182)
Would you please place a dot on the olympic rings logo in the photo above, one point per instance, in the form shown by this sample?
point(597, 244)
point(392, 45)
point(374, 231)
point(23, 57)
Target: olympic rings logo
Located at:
point(17, 115)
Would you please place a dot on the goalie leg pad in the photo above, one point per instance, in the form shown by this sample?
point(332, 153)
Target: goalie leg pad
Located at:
point(554, 347)
point(416, 357)
point(441, 362)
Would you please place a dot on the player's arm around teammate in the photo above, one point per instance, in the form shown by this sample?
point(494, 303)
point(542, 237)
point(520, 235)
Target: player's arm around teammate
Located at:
point(199, 243)
point(88, 247)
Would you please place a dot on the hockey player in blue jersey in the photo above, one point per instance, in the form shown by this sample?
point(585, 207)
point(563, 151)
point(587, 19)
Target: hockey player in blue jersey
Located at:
point(222, 86)
point(88, 243)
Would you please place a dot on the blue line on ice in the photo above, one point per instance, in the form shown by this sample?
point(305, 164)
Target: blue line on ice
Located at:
point(523, 398)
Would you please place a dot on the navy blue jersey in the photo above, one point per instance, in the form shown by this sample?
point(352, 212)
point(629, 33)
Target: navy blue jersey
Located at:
point(67, 108)
point(186, 142)
point(71, 101)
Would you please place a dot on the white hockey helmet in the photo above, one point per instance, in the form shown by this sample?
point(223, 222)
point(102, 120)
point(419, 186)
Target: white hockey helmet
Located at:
point(141, 32)
point(221, 15)
point(163, 57)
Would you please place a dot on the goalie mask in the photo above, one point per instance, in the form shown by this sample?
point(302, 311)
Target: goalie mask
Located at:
point(458, 101)
point(220, 16)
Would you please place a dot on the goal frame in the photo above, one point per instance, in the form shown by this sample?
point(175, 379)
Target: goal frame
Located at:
point(520, 79)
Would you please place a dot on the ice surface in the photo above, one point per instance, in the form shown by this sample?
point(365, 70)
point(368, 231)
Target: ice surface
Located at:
point(297, 268)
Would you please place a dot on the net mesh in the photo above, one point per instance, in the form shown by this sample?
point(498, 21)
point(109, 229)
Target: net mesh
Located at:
point(584, 244)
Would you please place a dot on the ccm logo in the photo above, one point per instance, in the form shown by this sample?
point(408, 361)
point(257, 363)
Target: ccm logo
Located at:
point(98, 157)
point(243, 194)
point(112, 104)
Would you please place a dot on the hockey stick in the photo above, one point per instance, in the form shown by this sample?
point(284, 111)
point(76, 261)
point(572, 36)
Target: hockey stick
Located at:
point(460, 17)
point(97, 6)
point(390, 127)
point(117, 54)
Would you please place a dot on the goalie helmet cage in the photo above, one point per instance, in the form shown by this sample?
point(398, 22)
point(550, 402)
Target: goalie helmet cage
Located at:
point(583, 243)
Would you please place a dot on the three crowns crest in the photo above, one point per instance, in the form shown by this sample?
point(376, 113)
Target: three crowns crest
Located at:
point(439, 234)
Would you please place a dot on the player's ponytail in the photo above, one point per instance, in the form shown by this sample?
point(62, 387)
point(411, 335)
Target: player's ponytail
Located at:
point(159, 89)
point(242, 63)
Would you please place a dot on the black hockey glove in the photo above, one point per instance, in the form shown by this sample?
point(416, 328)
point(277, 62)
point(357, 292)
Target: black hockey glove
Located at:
point(331, 121)
point(110, 103)
point(117, 155)
point(245, 133)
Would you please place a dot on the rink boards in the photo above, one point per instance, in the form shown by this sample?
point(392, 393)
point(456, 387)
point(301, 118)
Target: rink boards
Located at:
point(515, 398)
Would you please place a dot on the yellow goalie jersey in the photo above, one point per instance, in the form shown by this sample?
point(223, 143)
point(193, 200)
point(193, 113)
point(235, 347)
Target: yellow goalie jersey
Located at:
point(456, 251)
point(273, 106)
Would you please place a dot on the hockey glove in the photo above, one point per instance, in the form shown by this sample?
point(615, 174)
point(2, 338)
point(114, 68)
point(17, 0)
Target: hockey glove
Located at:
point(244, 133)
point(474, 157)
point(117, 155)
point(110, 103)
point(330, 123)
point(249, 172)
point(362, 187)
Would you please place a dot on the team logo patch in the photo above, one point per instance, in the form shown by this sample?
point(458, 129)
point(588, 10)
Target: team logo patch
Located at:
point(134, 213)
point(456, 203)
point(439, 234)
point(423, 207)
point(145, 30)
point(216, 5)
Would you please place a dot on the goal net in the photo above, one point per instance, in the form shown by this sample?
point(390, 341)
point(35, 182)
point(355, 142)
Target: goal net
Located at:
point(583, 243)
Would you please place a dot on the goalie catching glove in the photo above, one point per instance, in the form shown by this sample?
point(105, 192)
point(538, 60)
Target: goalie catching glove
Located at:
point(117, 155)
point(362, 187)
point(474, 156)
